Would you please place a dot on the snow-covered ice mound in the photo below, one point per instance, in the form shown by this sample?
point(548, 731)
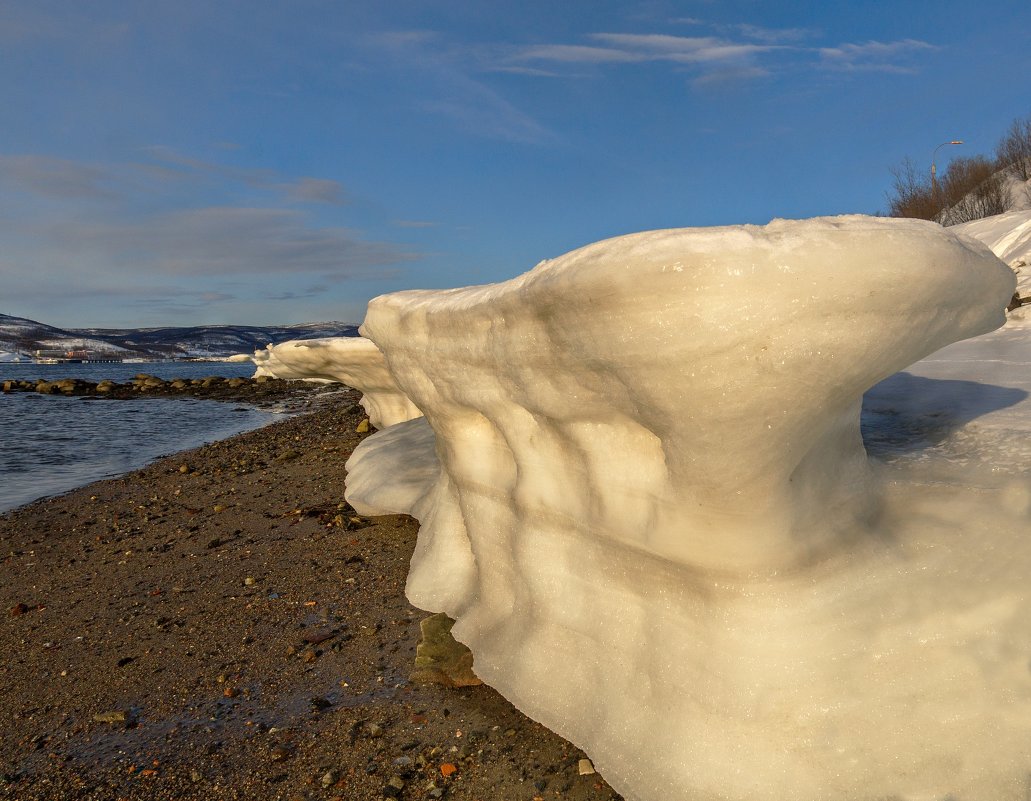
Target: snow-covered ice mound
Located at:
point(354, 361)
point(644, 497)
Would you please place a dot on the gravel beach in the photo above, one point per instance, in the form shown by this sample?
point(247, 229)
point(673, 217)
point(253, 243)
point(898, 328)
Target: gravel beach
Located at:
point(220, 625)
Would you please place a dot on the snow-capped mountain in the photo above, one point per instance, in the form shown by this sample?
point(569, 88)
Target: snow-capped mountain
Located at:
point(22, 338)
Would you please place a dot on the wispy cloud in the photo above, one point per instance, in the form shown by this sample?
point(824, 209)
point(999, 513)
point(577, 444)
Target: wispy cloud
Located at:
point(217, 241)
point(739, 52)
point(58, 178)
point(626, 48)
point(874, 56)
point(716, 78)
point(135, 231)
point(684, 49)
point(578, 54)
point(315, 190)
point(773, 35)
point(304, 190)
point(33, 23)
point(414, 224)
point(442, 78)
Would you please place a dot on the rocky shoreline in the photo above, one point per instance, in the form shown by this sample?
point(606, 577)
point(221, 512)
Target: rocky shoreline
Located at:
point(221, 625)
point(260, 390)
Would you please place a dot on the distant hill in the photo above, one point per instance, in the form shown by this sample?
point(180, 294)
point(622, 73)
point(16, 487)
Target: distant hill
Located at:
point(23, 337)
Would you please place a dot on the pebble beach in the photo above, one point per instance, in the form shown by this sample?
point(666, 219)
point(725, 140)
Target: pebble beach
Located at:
point(221, 625)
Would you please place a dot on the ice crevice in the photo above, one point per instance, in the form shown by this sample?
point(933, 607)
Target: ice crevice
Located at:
point(645, 499)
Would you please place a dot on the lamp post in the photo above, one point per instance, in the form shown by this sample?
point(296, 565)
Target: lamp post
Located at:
point(934, 172)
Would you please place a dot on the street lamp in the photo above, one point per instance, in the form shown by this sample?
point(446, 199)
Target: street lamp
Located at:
point(934, 182)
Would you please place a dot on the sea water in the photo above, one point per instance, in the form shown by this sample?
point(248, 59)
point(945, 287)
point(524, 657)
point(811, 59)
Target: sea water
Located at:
point(53, 444)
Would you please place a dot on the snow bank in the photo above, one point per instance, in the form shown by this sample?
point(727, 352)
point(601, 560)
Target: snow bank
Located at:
point(354, 361)
point(1009, 237)
point(647, 503)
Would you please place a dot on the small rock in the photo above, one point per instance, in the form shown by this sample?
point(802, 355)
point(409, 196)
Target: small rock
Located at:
point(195, 775)
point(249, 581)
point(115, 716)
point(585, 767)
point(319, 636)
point(184, 468)
point(440, 658)
point(375, 730)
point(218, 507)
point(329, 778)
point(280, 753)
point(394, 786)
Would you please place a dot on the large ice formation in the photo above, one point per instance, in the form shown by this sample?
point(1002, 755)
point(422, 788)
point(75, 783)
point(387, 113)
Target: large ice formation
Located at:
point(354, 361)
point(645, 499)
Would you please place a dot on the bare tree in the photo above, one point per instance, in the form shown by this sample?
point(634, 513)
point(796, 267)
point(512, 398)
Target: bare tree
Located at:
point(971, 189)
point(1014, 150)
point(911, 194)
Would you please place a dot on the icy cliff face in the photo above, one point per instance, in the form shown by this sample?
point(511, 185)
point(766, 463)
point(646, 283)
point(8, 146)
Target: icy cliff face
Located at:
point(645, 499)
point(354, 361)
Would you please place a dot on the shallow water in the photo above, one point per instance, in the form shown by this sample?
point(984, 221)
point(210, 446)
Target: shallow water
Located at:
point(53, 444)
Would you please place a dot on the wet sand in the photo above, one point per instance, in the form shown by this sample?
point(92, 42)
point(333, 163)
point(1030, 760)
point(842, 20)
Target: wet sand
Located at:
point(220, 625)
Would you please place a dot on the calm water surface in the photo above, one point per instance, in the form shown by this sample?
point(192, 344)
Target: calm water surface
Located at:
point(52, 444)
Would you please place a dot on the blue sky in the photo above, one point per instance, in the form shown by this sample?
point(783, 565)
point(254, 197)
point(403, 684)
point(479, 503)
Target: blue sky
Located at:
point(258, 162)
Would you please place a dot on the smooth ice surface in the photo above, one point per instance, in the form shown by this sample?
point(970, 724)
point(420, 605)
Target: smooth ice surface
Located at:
point(354, 361)
point(653, 518)
point(406, 453)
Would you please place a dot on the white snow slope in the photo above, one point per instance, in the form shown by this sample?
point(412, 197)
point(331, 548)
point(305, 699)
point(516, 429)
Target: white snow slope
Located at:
point(1009, 237)
point(645, 499)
